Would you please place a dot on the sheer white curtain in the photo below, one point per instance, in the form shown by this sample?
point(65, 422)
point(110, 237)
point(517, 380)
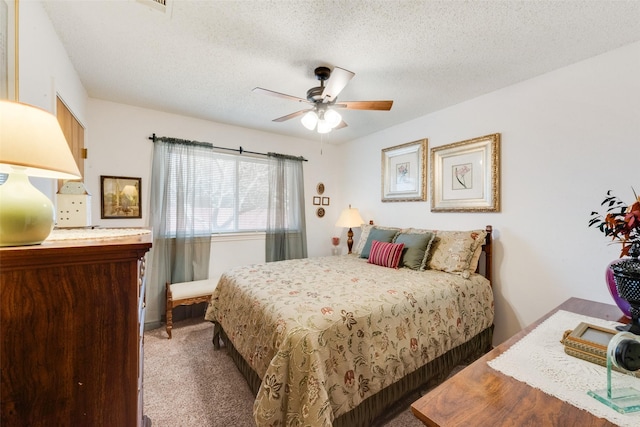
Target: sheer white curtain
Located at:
point(286, 236)
point(181, 213)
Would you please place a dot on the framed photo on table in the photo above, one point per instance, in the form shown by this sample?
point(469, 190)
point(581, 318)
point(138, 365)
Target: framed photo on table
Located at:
point(120, 197)
point(465, 176)
point(404, 172)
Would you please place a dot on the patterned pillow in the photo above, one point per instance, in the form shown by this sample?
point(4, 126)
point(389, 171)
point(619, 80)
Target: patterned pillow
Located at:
point(453, 251)
point(385, 235)
point(385, 254)
point(364, 235)
point(416, 249)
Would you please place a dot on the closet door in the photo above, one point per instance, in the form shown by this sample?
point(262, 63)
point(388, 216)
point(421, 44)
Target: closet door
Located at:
point(73, 132)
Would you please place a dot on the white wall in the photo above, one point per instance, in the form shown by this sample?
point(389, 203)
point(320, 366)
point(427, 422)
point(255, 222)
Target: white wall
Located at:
point(567, 137)
point(45, 70)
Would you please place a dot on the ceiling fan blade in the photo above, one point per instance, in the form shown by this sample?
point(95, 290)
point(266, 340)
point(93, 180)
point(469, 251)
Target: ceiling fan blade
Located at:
point(365, 105)
point(341, 125)
point(291, 116)
point(278, 94)
point(338, 80)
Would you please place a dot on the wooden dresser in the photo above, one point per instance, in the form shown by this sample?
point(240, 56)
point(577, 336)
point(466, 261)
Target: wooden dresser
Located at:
point(71, 324)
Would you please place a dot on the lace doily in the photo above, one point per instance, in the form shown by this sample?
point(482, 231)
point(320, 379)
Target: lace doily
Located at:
point(94, 233)
point(539, 360)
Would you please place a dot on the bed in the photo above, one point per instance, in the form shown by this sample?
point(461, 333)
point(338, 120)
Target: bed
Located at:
point(334, 341)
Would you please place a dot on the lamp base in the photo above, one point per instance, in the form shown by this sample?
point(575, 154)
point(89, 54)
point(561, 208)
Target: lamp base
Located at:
point(350, 239)
point(26, 215)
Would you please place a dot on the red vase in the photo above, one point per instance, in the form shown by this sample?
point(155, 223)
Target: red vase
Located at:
point(613, 290)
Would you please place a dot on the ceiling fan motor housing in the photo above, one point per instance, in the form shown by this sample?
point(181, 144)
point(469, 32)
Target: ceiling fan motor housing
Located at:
point(315, 94)
point(322, 73)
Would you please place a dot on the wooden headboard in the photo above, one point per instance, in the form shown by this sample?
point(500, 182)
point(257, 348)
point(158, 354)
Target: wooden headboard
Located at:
point(487, 249)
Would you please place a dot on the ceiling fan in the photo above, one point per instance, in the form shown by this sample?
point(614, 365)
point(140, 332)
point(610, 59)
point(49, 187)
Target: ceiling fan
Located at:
point(323, 100)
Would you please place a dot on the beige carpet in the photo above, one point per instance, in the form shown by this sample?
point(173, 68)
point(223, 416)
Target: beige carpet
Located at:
point(188, 383)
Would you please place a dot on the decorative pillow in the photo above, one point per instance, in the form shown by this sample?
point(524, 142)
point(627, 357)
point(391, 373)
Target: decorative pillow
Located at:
point(475, 258)
point(384, 235)
point(416, 249)
point(364, 234)
point(452, 251)
point(385, 254)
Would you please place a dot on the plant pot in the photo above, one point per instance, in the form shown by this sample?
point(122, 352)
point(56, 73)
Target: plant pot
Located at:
point(626, 274)
point(622, 304)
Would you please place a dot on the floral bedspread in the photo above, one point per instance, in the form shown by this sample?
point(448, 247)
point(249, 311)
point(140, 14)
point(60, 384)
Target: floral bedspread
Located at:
point(326, 333)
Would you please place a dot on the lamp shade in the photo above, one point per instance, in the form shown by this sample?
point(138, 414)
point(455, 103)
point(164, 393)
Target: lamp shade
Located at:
point(309, 120)
point(31, 144)
point(349, 217)
point(332, 117)
point(31, 139)
point(323, 127)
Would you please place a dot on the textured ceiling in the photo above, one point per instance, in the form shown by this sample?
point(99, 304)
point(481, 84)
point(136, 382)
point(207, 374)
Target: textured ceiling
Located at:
point(203, 58)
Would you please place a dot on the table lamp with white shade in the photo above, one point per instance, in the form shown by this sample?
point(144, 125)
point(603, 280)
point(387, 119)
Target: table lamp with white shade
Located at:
point(349, 217)
point(31, 144)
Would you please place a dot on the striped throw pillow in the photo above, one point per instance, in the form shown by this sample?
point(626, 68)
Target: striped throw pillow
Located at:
point(385, 254)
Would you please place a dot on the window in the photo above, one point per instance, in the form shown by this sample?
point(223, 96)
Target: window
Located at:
point(231, 191)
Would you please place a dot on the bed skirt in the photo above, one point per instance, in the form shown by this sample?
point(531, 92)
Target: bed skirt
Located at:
point(366, 412)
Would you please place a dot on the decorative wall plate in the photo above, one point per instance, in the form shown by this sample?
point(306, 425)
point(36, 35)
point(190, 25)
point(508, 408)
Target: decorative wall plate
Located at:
point(320, 212)
point(320, 188)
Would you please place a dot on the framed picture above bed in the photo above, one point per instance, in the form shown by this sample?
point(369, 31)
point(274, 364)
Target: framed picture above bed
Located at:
point(404, 172)
point(465, 176)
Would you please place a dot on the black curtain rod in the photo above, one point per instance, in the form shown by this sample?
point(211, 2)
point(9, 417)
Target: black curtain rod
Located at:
point(240, 150)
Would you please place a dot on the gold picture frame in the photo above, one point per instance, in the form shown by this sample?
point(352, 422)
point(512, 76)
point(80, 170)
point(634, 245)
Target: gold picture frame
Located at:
point(120, 197)
point(588, 342)
point(404, 172)
point(465, 176)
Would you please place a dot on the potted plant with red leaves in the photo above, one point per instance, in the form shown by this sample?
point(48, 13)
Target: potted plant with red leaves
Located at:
point(621, 222)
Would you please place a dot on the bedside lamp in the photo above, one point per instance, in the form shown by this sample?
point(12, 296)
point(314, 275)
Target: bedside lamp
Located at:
point(31, 144)
point(349, 218)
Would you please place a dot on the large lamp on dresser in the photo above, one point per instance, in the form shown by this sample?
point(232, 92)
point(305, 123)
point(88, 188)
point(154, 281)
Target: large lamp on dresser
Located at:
point(31, 144)
point(349, 217)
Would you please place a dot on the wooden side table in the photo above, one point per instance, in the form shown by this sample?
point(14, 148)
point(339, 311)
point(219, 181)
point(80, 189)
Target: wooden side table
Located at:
point(482, 396)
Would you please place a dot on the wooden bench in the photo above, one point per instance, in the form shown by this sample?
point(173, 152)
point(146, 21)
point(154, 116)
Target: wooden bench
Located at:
point(186, 293)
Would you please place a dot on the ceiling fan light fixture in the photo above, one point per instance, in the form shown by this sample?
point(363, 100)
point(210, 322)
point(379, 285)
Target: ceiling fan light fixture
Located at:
point(310, 120)
point(323, 126)
point(332, 117)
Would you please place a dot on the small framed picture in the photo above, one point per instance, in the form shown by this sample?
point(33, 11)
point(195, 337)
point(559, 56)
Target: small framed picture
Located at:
point(316, 200)
point(120, 197)
point(325, 201)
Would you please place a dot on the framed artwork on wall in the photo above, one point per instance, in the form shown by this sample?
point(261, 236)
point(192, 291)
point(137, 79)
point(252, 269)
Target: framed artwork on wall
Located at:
point(316, 200)
point(465, 176)
point(120, 197)
point(404, 172)
point(325, 201)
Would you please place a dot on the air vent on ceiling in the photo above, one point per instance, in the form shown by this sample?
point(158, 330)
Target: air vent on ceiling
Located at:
point(160, 5)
